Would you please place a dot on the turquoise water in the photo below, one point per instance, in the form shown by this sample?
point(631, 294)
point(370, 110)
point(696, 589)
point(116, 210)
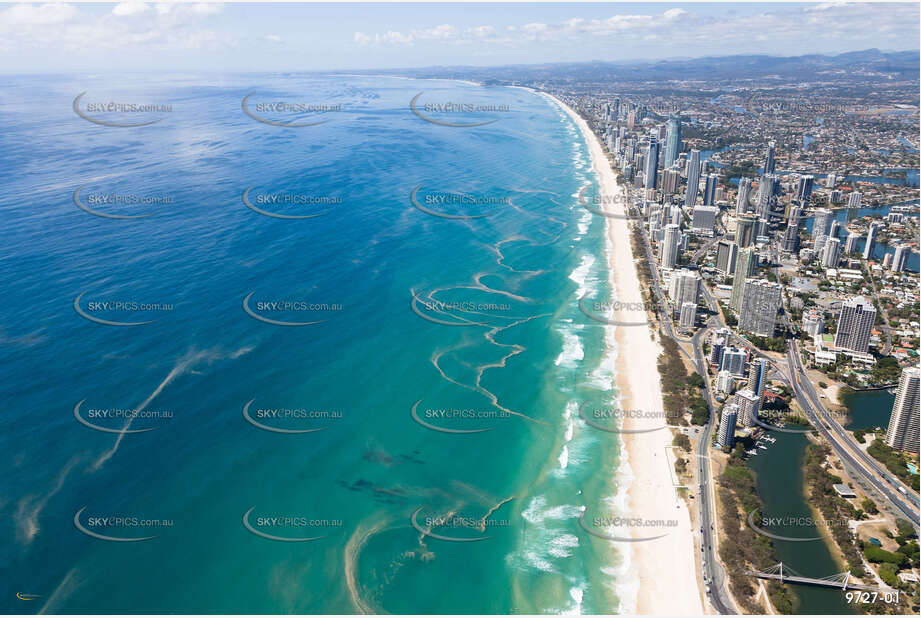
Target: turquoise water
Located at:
point(523, 361)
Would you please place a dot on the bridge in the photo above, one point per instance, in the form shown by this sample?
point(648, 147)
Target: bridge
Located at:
point(786, 575)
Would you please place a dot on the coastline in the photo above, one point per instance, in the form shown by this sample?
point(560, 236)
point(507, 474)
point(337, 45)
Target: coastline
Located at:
point(664, 567)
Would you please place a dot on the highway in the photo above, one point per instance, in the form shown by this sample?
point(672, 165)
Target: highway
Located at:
point(872, 472)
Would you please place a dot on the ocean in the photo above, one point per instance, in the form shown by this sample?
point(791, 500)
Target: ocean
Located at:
point(331, 368)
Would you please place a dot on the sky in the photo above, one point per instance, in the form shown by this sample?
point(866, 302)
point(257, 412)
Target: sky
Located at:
point(79, 37)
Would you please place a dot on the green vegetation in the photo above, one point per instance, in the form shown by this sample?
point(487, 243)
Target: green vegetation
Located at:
point(835, 510)
point(773, 344)
point(743, 168)
point(886, 371)
point(683, 442)
point(894, 462)
point(869, 506)
point(877, 554)
point(743, 548)
point(679, 390)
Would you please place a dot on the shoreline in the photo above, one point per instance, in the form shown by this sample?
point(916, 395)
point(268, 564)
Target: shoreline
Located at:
point(664, 567)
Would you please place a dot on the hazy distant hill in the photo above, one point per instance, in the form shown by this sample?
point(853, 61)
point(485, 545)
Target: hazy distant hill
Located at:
point(901, 65)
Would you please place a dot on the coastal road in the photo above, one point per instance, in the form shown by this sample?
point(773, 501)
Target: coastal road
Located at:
point(871, 471)
point(713, 573)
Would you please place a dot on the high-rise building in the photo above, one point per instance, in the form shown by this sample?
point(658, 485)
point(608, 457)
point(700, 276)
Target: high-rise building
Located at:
point(744, 267)
point(870, 247)
point(903, 429)
point(900, 258)
point(850, 245)
point(855, 325)
point(853, 200)
point(887, 261)
point(733, 360)
point(703, 219)
point(673, 140)
point(831, 180)
point(831, 254)
point(717, 345)
point(726, 254)
point(746, 231)
point(671, 179)
point(685, 287)
point(742, 199)
point(804, 189)
point(710, 189)
point(767, 195)
point(822, 221)
point(687, 316)
point(834, 230)
point(725, 383)
point(818, 245)
point(813, 322)
point(749, 405)
point(668, 249)
point(690, 197)
point(652, 162)
point(769, 159)
point(790, 242)
point(728, 419)
point(761, 299)
point(757, 375)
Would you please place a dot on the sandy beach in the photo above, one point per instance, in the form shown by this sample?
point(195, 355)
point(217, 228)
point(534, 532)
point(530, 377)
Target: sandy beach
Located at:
point(664, 566)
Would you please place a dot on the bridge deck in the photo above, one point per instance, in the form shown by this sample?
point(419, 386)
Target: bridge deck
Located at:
point(812, 581)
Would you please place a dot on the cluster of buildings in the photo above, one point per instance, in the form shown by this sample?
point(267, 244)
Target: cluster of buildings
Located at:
point(763, 219)
point(734, 367)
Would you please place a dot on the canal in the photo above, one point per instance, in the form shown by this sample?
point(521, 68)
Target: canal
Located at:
point(779, 471)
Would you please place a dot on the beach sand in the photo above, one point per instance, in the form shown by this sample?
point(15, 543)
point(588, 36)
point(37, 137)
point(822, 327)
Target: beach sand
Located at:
point(664, 566)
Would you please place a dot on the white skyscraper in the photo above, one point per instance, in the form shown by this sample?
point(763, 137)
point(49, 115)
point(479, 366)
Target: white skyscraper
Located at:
point(822, 221)
point(767, 195)
point(871, 242)
point(672, 140)
point(903, 424)
point(745, 188)
point(757, 375)
point(831, 253)
point(685, 287)
point(668, 248)
point(687, 316)
point(900, 258)
point(850, 245)
point(749, 405)
point(728, 420)
point(853, 200)
point(855, 325)
point(725, 382)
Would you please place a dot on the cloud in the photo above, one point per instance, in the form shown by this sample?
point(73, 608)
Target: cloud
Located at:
point(831, 21)
point(130, 24)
